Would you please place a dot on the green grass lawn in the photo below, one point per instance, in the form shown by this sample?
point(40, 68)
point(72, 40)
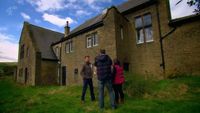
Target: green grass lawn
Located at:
point(180, 95)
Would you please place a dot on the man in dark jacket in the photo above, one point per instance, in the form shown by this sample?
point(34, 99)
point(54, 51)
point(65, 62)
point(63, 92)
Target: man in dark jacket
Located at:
point(87, 73)
point(103, 64)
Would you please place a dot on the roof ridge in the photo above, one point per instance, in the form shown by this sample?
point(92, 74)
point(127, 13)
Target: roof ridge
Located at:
point(43, 28)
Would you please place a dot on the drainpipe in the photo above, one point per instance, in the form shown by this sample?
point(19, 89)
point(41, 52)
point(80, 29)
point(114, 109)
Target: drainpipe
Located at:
point(162, 38)
point(60, 65)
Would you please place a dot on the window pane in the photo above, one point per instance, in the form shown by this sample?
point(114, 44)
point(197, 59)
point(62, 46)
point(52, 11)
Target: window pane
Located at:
point(140, 36)
point(95, 39)
point(147, 20)
point(138, 22)
point(89, 42)
point(71, 46)
point(149, 34)
point(67, 48)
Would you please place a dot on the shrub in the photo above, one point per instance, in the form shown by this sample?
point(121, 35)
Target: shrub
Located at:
point(136, 85)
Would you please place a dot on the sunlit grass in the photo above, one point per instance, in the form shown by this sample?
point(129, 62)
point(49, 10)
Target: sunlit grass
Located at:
point(179, 95)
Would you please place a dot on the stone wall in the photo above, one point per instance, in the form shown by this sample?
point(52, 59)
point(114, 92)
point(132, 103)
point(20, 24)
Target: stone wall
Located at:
point(28, 61)
point(48, 73)
point(145, 58)
point(106, 36)
point(182, 47)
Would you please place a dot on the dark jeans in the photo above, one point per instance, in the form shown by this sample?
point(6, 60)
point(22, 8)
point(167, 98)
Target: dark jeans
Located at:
point(108, 85)
point(118, 92)
point(87, 82)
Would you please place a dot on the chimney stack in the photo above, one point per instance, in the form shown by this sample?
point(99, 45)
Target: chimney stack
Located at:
point(67, 29)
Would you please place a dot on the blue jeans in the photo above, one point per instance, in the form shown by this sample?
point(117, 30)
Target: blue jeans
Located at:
point(87, 82)
point(108, 85)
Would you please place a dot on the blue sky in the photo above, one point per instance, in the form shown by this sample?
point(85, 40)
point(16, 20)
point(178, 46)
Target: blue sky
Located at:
point(52, 14)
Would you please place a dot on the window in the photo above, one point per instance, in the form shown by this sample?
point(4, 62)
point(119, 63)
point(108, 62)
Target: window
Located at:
point(89, 41)
point(122, 32)
point(144, 31)
point(92, 40)
point(95, 39)
point(69, 47)
point(22, 52)
point(27, 52)
point(185, 8)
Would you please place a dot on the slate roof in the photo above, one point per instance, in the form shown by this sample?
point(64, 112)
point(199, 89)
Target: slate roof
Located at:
point(121, 8)
point(43, 38)
point(131, 4)
point(88, 23)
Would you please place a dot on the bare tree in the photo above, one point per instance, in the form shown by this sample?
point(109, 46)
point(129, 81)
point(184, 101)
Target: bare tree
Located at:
point(195, 3)
point(192, 3)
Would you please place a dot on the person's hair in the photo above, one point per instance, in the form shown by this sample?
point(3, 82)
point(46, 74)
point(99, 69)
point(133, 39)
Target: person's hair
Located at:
point(87, 56)
point(116, 62)
point(102, 51)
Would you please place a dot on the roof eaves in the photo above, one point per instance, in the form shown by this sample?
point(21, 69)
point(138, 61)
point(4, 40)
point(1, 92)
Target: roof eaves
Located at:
point(94, 26)
point(141, 6)
point(180, 21)
point(47, 59)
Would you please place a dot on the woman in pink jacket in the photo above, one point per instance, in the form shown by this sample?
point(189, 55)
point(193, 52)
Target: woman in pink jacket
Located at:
point(118, 80)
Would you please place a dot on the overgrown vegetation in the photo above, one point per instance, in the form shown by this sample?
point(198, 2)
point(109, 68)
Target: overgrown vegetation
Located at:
point(136, 86)
point(177, 95)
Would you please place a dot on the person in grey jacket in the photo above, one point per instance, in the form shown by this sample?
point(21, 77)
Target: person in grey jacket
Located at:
point(87, 74)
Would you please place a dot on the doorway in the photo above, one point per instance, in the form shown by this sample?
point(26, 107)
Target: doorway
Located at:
point(26, 75)
point(64, 73)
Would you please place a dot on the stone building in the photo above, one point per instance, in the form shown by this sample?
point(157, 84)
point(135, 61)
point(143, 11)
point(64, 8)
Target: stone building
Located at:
point(37, 63)
point(140, 33)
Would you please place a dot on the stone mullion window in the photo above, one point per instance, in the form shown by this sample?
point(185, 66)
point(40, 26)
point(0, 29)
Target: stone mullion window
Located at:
point(95, 39)
point(69, 47)
point(89, 41)
point(92, 40)
point(144, 32)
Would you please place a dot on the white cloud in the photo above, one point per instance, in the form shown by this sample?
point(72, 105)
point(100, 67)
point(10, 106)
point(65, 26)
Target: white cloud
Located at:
point(8, 48)
point(46, 5)
point(25, 16)
point(180, 10)
point(95, 1)
point(89, 1)
point(10, 10)
point(72, 5)
point(94, 4)
point(82, 12)
point(56, 20)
